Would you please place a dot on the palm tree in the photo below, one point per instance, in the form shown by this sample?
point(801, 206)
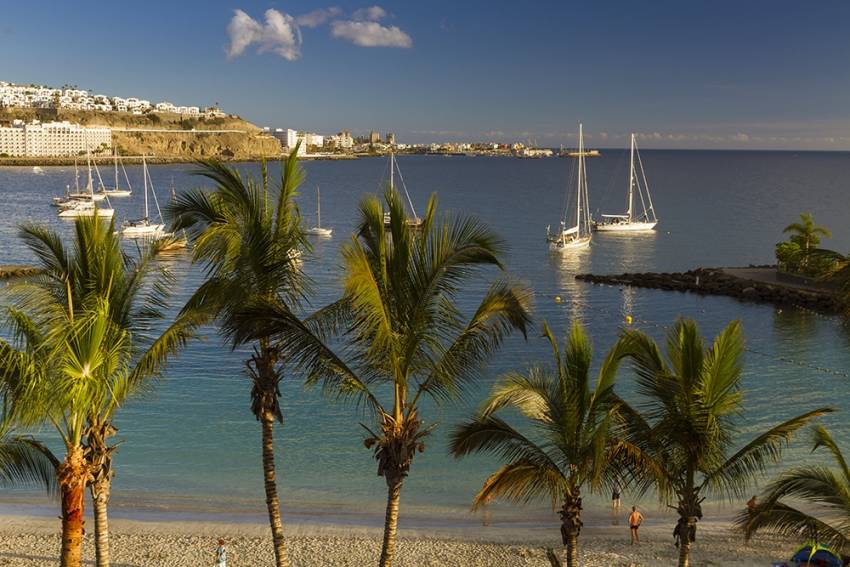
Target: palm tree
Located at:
point(827, 491)
point(23, 459)
point(78, 352)
point(401, 328)
point(688, 426)
point(249, 239)
point(806, 234)
point(576, 422)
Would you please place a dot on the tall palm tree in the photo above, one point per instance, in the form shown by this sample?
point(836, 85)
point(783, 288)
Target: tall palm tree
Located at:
point(688, 428)
point(806, 234)
point(402, 332)
point(576, 422)
point(826, 518)
point(78, 351)
point(249, 238)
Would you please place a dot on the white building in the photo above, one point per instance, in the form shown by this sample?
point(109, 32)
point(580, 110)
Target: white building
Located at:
point(52, 139)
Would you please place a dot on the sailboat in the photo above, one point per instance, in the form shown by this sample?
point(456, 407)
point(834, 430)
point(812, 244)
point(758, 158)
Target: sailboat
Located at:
point(318, 230)
point(414, 221)
point(72, 198)
point(143, 227)
point(578, 235)
point(630, 222)
point(82, 204)
point(117, 191)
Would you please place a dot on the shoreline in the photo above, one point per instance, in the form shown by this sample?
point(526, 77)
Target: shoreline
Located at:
point(29, 541)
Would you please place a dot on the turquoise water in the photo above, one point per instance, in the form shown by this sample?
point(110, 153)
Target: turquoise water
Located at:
point(191, 446)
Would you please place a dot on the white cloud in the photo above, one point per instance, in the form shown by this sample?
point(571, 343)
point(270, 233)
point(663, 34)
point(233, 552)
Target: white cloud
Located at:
point(371, 14)
point(318, 17)
point(370, 34)
point(279, 34)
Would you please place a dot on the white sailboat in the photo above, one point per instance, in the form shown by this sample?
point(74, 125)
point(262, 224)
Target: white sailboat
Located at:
point(414, 221)
point(82, 204)
point(631, 222)
point(143, 227)
point(117, 191)
point(318, 230)
point(578, 235)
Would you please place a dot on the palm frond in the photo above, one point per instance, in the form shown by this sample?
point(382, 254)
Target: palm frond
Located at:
point(522, 482)
point(733, 476)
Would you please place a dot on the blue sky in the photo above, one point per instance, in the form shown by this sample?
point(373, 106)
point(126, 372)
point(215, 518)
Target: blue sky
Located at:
point(718, 74)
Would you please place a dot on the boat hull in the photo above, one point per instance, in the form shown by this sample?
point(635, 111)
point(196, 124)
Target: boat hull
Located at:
point(625, 226)
point(562, 245)
point(316, 231)
point(144, 231)
point(119, 193)
point(75, 213)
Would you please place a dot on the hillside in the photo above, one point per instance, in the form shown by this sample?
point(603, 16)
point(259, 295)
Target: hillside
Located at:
point(243, 140)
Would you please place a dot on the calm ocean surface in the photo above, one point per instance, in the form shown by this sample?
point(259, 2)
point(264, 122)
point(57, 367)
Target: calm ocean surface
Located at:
point(191, 447)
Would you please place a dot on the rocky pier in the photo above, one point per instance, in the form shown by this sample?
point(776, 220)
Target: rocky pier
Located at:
point(758, 285)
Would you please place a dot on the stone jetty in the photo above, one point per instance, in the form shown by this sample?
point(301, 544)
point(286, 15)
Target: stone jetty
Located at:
point(754, 284)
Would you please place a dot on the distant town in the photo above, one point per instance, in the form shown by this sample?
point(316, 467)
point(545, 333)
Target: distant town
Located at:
point(36, 137)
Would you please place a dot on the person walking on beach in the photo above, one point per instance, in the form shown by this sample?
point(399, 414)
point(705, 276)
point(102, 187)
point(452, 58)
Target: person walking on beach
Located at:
point(221, 555)
point(615, 496)
point(635, 520)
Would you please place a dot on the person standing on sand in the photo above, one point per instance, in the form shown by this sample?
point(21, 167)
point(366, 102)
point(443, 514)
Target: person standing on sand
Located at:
point(221, 555)
point(615, 496)
point(635, 520)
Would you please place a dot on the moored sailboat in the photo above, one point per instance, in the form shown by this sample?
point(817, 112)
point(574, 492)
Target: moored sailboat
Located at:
point(631, 222)
point(117, 191)
point(577, 235)
point(318, 230)
point(414, 221)
point(82, 204)
point(143, 227)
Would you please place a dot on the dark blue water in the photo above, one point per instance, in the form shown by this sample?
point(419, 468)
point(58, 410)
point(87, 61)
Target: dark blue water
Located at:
point(192, 446)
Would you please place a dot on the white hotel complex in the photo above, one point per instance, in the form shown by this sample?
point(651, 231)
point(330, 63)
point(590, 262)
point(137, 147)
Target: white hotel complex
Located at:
point(52, 139)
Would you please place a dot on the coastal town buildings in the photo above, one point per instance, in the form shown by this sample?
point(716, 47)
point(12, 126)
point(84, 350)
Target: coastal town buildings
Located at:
point(52, 139)
point(34, 96)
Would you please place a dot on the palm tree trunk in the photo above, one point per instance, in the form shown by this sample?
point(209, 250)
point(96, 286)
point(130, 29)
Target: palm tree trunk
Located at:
point(572, 550)
point(272, 501)
point(684, 551)
point(391, 521)
point(571, 525)
point(71, 475)
point(100, 491)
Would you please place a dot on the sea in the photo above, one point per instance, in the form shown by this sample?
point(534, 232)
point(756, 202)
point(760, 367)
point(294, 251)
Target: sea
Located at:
point(190, 447)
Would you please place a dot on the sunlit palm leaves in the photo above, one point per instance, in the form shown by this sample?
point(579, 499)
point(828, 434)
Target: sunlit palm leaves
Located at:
point(810, 502)
point(688, 428)
point(575, 424)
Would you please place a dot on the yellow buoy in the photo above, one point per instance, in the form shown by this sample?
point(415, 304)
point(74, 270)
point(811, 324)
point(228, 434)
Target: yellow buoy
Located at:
point(557, 299)
point(628, 319)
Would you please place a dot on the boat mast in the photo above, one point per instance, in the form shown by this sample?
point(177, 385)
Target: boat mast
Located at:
point(145, 177)
point(631, 177)
point(318, 208)
point(115, 154)
point(579, 187)
point(392, 170)
point(90, 186)
point(76, 177)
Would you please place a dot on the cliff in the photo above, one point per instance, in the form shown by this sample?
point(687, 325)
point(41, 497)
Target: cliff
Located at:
point(169, 137)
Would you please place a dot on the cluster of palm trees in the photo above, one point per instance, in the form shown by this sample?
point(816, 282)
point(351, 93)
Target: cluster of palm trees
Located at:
point(79, 345)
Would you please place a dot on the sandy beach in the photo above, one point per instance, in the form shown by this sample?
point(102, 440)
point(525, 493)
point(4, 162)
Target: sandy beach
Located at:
point(34, 541)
